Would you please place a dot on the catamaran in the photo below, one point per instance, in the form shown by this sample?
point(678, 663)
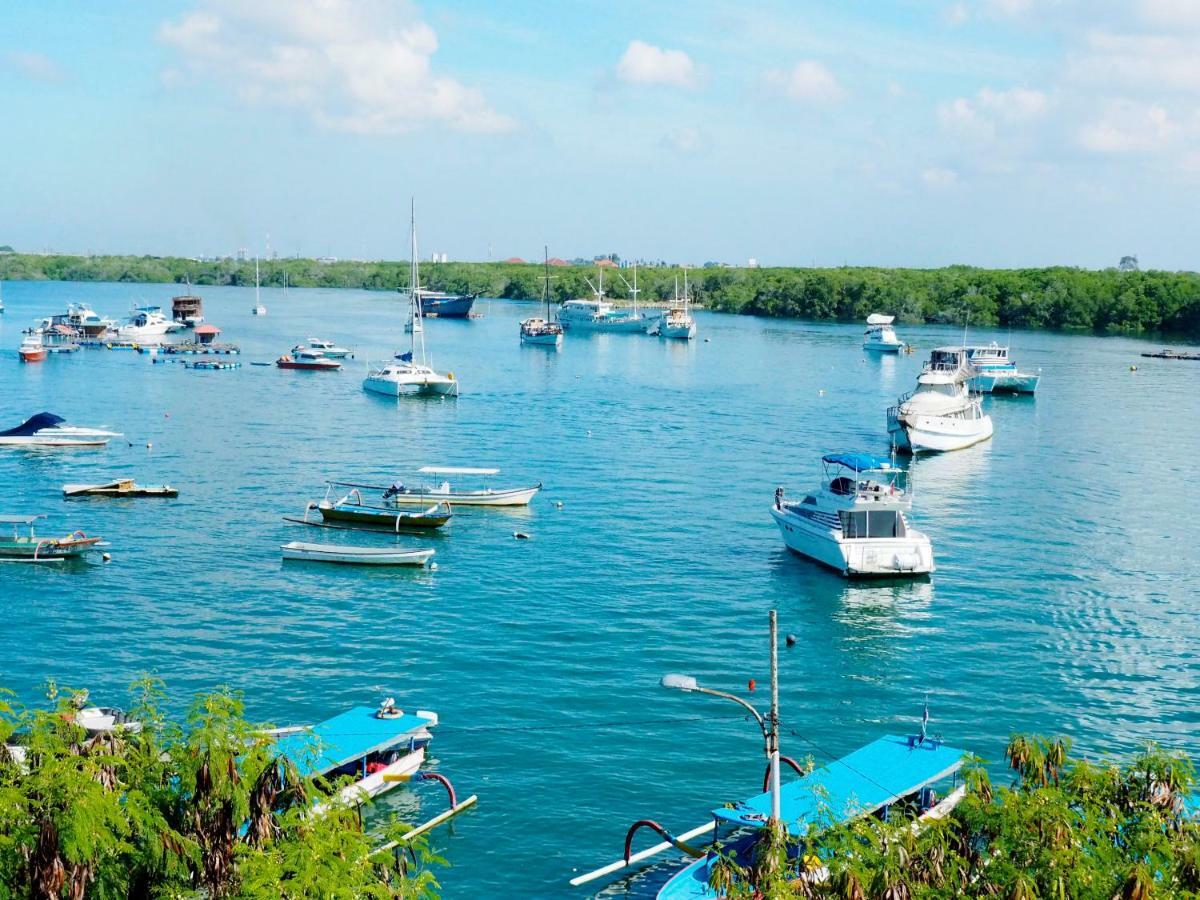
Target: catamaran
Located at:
point(48, 430)
point(942, 413)
point(400, 493)
point(996, 373)
point(536, 330)
point(880, 336)
point(856, 522)
point(29, 547)
point(409, 371)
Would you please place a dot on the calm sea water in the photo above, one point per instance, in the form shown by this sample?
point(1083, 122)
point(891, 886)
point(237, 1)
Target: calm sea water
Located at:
point(1064, 602)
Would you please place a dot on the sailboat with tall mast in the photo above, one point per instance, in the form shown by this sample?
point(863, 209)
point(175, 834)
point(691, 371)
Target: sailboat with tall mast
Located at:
point(410, 372)
point(259, 309)
point(536, 330)
point(678, 321)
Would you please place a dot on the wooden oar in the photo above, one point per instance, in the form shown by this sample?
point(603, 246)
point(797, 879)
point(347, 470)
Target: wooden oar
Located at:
point(638, 857)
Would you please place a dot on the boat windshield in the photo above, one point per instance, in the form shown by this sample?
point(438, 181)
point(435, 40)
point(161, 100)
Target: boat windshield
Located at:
point(872, 523)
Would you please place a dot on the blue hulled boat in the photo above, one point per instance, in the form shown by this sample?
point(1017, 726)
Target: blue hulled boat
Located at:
point(440, 305)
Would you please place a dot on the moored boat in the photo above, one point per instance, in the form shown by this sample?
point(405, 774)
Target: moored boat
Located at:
point(188, 309)
point(442, 305)
point(146, 325)
point(344, 506)
point(677, 322)
point(543, 332)
point(359, 556)
point(307, 359)
point(48, 430)
point(855, 523)
point(598, 314)
point(401, 493)
point(121, 487)
point(29, 547)
point(941, 414)
point(32, 348)
point(996, 373)
point(325, 348)
point(880, 336)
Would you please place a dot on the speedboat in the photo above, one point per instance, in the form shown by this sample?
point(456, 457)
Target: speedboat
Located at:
point(880, 335)
point(48, 430)
point(300, 358)
point(400, 493)
point(409, 372)
point(146, 325)
point(32, 348)
point(996, 373)
point(441, 305)
point(326, 348)
point(942, 413)
point(29, 547)
point(598, 314)
point(856, 523)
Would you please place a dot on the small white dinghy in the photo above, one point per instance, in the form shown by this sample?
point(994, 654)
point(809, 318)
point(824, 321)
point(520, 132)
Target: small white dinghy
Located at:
point(359, 556)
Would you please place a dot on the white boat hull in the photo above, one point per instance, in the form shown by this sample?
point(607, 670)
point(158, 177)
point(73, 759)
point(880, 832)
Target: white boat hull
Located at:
point(398, 385)
point(624, 325)
point(1005, 383)
point(543, 340)
point(514, 497)
point(937, 434)
point(677, 332)
point(883, 346)
point(856, 557)
point(359, 556)
point(380, 782)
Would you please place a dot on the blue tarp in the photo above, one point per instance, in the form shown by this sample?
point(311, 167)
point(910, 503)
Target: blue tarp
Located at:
point(33, 424)
point(859, 462)
point(344, 738)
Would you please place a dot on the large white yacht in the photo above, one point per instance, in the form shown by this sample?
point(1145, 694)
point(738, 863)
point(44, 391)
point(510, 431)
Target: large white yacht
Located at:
point(408, 372)
point(942, 413)
point(146, 325)
point(856, 523)
point(880, 336)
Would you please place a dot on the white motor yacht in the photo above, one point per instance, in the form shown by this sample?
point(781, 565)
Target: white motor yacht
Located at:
point(856, 523)
point(326, 348)
point(409, 372)
point(48, 430)
point(996, 373)
point(146, 325)
point(941, 414)
point(880, 336)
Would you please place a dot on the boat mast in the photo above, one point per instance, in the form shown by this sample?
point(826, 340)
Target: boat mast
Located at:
point(414, 286)
point(257, 294)
point(546, 280)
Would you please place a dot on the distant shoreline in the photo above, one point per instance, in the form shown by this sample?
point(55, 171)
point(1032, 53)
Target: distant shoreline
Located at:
point(1056, 298)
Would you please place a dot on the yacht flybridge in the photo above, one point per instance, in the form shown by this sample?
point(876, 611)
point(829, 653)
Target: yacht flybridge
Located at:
point(409, 372)
point(880, 336)
point(856, 523)
point(942, 413)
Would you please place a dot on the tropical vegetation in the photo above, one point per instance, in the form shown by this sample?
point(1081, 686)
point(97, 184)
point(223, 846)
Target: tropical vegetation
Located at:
point(1109, 300)
point(1066, 828)
point(199, 809)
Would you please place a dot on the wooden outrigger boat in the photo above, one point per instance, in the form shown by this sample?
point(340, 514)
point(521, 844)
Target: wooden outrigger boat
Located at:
point(400, 493)
point(122, 487)
point(351, 511)
point(361, 556)
point(31, 548)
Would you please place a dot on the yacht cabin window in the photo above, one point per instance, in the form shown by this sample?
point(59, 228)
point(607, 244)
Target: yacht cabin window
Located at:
point(874, 523)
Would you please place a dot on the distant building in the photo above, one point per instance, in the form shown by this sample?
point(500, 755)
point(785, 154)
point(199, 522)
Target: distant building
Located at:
point(514, 259)
point(752, 264)
point(1128, 264)
point(326, 260)
point(555, 261)
point(241, 254)
point(606, 263)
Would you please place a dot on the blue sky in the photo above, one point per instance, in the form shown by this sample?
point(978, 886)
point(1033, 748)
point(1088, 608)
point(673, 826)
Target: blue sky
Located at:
point(910, 132)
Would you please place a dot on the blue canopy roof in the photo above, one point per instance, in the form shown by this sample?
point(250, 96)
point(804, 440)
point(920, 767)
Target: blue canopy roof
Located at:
point(33, 425)
point(854, 786)
point(859, 462)
point(345, 738)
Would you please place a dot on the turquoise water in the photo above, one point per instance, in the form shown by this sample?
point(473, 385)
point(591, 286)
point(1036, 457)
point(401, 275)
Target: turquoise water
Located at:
point(1064, 599)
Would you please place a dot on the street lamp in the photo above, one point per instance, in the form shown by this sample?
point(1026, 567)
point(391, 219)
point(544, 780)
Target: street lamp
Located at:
point(769, 724)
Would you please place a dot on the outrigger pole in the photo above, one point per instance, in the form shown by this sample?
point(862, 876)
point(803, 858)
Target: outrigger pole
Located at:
point(455, 807)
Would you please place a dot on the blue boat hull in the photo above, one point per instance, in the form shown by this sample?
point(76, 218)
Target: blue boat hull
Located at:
point(458, 307)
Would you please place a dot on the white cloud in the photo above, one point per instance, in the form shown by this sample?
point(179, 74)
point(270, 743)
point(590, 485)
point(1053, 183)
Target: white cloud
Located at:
point(1126, 127)
point(1015, 105)
point(1171, 13)
point(956, 14)
point(937, 177)
point(644, 63)
point(35, 66)
point(979, 117)
point(960, 118)
point(686, 141)
point(353, 65)
point(808, 81)
point(1151, 62)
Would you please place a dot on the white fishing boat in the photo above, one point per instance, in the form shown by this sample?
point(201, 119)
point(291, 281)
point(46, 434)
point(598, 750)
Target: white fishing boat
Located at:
point(325, 348)
point(424, 493)
point(258, 309)
point(941, 414)
point(357, 556)
point(536, 330)
point(856, 523)
point(880, 336)
point(677, 322)
point(410, 371)
point(598, 314)
point(146, 325)
point(48, 430)
point(996, 373)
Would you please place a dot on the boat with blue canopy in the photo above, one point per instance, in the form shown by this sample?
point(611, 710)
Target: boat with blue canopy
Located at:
point(856, 523)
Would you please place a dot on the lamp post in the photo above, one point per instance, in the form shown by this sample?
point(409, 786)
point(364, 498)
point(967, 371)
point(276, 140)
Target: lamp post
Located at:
point(768, 724)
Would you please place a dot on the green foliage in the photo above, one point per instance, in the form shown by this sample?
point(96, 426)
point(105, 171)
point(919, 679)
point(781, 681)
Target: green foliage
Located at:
point(1065, 829)
point(202, 811)
point(1058, 297)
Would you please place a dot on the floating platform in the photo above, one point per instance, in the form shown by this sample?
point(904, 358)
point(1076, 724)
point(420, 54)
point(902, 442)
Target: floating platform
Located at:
point(189, 347)
point(1172, 354)
point(212, 364)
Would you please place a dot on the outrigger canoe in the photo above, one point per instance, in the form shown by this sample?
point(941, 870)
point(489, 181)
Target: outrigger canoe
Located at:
point(351, 511)
point(361, 556)
point(122, 487)
point(31, 548)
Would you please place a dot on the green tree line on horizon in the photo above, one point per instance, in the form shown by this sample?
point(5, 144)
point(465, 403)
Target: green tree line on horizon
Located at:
point(1060, 297)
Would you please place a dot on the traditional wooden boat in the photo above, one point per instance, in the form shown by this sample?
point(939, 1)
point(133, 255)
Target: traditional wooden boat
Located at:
point(400, 493)
point(122, 487)
point(357, 556)
point(352, 508)
point(31, 548)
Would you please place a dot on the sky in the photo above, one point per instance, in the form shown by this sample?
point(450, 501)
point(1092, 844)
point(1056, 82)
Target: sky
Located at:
point(864, 132)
